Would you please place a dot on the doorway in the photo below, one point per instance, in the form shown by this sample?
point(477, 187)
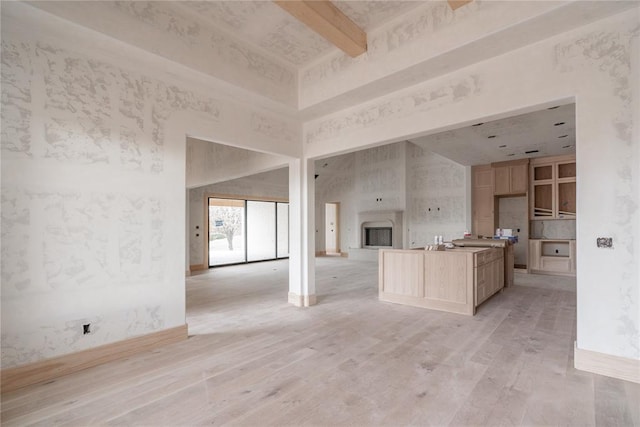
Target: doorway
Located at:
point(332, 228)
point(242, 231)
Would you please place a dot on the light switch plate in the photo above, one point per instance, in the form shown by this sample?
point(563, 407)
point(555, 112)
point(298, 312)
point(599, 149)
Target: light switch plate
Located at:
point(604, 242)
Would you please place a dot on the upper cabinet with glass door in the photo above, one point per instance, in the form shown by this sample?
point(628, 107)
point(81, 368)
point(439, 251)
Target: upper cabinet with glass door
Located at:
point(553, 188)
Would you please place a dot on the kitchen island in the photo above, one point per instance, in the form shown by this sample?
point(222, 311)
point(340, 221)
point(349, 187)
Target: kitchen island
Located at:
point(455, 280)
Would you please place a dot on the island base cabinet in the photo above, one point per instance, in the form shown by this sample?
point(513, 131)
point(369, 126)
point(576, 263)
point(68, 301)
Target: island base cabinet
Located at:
point(456, 280)
point(488, 277)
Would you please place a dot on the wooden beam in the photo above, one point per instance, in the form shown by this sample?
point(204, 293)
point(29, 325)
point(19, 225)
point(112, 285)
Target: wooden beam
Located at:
point(328, 21)
point(454, 4)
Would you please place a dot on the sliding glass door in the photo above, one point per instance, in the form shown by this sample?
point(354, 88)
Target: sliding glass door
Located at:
point(247, 231)
point(226, 231)
point(261, 231)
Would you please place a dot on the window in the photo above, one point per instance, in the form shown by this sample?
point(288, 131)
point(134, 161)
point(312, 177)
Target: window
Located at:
point(247, 230)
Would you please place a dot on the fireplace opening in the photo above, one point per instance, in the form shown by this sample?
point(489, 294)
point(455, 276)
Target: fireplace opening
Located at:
point(378, 236)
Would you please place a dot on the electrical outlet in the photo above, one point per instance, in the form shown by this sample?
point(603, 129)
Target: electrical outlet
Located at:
point(604, 242)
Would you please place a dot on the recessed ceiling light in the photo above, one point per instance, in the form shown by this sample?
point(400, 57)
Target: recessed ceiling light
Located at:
point(563, 136)
point(558, 124)
point(553, 108)
point(502, 146)
point(478, 124)
point(491, 136)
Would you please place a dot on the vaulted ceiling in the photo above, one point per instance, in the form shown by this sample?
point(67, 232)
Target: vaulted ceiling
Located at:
point(258, 47)
point(265, 25)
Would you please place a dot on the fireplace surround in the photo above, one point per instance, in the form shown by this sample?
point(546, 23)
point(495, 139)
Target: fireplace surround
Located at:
point(380, 229)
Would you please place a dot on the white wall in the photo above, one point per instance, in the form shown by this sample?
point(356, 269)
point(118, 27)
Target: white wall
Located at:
point(597, 66)
point(93, 183)
point(406, 178)
point(186, 37)
point(336, 183)
point(365, 181)
point(208, 162)
point(437, 202)
point(93, 165)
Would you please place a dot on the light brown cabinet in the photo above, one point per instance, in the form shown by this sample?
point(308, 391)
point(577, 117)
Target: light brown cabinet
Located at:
point(552, 256)
point(456, 280)
point(483, 200)
point(553, 188)
point(489, 277)
point(511, 178)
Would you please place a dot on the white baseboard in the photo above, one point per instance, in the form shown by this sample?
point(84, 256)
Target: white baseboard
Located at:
point(606, 364)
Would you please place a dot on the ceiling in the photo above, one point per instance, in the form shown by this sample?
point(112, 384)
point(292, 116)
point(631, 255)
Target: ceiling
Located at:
point(264, 24)
point(278, 62)
point(270, 29)
point(549, 132)
point(261, 23)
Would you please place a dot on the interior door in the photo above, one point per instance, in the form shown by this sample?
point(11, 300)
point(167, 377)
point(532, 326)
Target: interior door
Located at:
point(332, 245)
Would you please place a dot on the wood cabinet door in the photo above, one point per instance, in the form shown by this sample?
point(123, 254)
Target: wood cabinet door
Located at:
point(483, 211)
point(481, 284)
point(482, 202)
point(483, 176)
point(519, 179)
point(502, 180)
point(401, 273)
point(555, 264)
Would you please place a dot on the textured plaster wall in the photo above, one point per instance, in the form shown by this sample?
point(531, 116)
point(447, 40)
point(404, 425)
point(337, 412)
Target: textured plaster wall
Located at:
point(208, 162)
point(93, 184)
point(436, 197)
point(380, 178)
point(336, 183)
point(182, 34)
point(596, 66)
point(412, 41)
point(368, 180)
point(407, 178)
point(271, 185)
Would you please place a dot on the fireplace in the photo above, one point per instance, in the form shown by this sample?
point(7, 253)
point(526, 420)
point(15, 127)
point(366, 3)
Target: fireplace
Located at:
point(380, 229)
point(378, 237)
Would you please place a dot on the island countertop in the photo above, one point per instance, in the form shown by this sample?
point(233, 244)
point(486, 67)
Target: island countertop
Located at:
point(455, 280)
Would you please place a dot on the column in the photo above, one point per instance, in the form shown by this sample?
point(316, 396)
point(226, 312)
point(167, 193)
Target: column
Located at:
point(302, 270)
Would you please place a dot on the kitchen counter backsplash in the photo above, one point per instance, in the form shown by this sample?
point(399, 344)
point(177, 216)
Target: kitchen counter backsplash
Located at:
point(553, 229)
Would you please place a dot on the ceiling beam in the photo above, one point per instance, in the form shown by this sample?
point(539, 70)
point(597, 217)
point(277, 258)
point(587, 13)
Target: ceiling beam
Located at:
point(328, 21)
point(454, 4)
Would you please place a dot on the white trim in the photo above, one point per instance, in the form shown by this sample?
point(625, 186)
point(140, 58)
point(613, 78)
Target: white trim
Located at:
point(606, 364)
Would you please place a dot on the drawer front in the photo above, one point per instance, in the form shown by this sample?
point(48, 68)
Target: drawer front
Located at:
point(559, 264)
point(485, 257)
point(479, 259)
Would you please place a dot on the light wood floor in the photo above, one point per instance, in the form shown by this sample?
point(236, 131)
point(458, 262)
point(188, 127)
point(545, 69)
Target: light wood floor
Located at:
point(254, 360)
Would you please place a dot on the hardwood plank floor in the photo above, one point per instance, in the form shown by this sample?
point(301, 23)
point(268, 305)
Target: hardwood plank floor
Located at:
point(253, 359)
